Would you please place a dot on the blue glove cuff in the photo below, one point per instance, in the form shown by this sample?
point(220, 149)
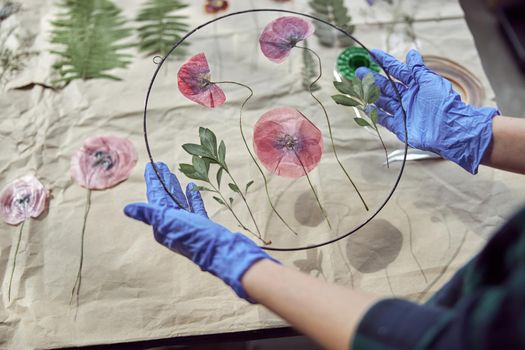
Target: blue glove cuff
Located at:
point(469, 151)
point(237, 255)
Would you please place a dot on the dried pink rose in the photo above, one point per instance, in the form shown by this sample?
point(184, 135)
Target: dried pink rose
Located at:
point(287, 143)
point(103, 162)
point(280, 36)
point(23, 198)
point(194, 82)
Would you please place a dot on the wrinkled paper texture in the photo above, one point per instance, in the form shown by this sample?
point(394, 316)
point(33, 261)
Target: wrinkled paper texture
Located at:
point(134, 289)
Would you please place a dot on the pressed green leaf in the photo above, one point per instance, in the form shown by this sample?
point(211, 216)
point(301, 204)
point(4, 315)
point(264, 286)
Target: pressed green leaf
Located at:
point(207, 162)
point(186, 167)
point(345, 101)
point(222, 153)
point(220, 201)
point(373, 116)
point(373, 94)
point(196, 150)
point(248, 186)
point(89, 35)
point(160, 28)
point(202, 188)
point(189, 171)
point(345, 88)
point(362, 122)
point(219, 176)
point(231, 201)
point(200, 167)
point(234, 187)
point(357, 85)
point(208, 140)
point(370, 90)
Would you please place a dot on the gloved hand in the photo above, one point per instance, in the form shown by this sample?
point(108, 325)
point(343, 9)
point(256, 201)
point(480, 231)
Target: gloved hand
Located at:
point(189, 232)
point(437, 119)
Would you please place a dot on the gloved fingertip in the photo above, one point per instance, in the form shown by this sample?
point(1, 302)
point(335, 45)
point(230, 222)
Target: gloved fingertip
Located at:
point(414, 58)
point(139, 211)
point(376, 55)
point(362, 71)
point(195, 200)
point(150, 173)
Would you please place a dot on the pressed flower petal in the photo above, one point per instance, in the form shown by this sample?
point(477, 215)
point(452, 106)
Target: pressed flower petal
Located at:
point(23, 198)
point(214, 6)
point(194, 82)
point(293, 28)
point(274, 47)
point(280, 36)
point(285, 141)
point(103, 162)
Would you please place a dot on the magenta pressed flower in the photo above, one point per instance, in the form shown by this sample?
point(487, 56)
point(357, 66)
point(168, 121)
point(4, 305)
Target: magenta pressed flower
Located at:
point(195, 84)
point(103, 162)
point(287, 143)
point(280, 36)
point(23, 198)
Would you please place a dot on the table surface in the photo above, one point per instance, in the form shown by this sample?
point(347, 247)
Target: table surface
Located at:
point(135, 290)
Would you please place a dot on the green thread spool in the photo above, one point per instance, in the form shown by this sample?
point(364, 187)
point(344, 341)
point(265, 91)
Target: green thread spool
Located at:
point(351, 59)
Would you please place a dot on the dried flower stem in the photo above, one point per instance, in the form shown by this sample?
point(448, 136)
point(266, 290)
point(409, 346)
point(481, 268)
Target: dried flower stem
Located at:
point(384, 146)
point(265, 180)
point(328, 121)
point(245, 202)
point(14, 260)
point(256, 235)
point(78, 281)
point(313, 190)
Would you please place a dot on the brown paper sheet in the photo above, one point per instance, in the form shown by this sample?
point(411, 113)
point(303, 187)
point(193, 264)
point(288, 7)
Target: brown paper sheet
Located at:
point(134, 289)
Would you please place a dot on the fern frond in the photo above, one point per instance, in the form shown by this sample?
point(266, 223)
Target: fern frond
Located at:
point(335, 12)
point(160, 28)
point(90, 33)
point(309, 71)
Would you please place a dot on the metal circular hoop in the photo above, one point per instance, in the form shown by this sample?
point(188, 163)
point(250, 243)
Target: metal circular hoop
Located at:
point(341, 30)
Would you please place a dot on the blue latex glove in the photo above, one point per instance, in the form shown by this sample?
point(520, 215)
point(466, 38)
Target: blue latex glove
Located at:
point(437, 119)
point(189, 232)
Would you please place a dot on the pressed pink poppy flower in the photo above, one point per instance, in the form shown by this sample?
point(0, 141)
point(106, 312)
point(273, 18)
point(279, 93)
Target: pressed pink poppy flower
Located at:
point(194, 82)
point(23, 198)
point(214, 6)
point(287, 143)
point(103, 162)
point(280, 36)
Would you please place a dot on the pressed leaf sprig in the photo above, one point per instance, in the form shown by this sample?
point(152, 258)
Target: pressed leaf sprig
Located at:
point(361, 94)
point(90, 35)
point(160, 26)
point(205, 154)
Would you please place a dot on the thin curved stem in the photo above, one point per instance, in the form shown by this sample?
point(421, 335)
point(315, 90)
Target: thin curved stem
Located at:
point(78, 281)
point(246, 203)
point(253, 157)
point(384, 146)
point(313, 190)
point(328, 122)
point(236, 217)
point(14, 260)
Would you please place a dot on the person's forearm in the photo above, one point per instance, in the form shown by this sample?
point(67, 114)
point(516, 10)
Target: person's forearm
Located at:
point(326, 313)
point(507, 149)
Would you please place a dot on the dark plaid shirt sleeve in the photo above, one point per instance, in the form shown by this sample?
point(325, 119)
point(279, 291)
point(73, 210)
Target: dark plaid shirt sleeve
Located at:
point(481, 307)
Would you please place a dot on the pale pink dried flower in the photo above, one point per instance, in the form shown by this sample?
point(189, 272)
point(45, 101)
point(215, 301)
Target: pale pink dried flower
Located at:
point(21, 199)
